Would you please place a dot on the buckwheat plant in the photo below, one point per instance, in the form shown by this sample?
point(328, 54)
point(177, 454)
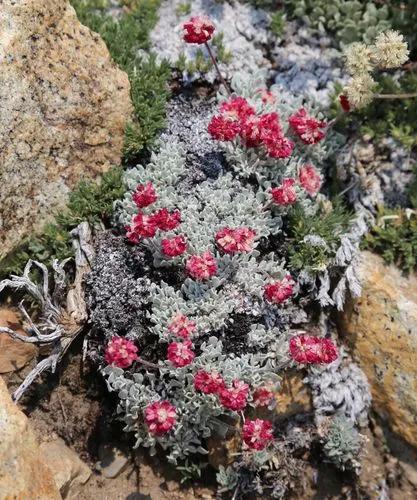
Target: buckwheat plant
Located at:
point(389, 51)
point(222, 317)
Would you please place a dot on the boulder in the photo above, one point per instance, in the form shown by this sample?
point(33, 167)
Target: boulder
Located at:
point(381, 329)
point(63, 105)
point(14, 354)
point(69, 471)
point(23, 473)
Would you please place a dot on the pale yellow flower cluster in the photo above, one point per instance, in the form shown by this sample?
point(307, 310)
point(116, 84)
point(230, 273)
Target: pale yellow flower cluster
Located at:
point(389, 51)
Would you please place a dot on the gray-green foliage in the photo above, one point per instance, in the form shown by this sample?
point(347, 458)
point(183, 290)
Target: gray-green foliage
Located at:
point(343, 444)
point(348, 20)
point(198, 413)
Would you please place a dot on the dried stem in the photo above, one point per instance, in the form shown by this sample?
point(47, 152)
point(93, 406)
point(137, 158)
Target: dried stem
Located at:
point(213, 59)
point(148, 364)
point(396, 96)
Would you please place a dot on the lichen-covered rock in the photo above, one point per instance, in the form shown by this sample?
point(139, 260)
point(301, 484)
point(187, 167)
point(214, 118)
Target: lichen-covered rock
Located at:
point(64, 105)
point(23, 473)
point(381, 328)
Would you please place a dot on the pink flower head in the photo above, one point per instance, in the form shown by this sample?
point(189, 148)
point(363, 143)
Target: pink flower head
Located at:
point(181, 326)
point(267, 96)
point(223, 129)
point(236, 109)
point(198, 29)
point(172, 247)
point(235, 240)
point(201, 267)
point(131, 235)
point(307, 349)
point(160, 417)
point(310, 179)
point(144, 195)
point(235, 397)
point(166, 221)
point(257, 434)
point(143, 226)
point(279, 146)
point(279, 291)
point(344, 102)
point(120, 352)
point(263, 396)
point(208, 383)
point(285, 194)
point(309, 129)
point(180, 354)
point(251, 131)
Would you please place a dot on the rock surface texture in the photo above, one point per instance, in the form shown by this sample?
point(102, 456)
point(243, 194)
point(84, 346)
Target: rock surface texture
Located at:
point(68, 470)
point(14, 354)
point(64, 105)
point(23, 474)
point(381, 328)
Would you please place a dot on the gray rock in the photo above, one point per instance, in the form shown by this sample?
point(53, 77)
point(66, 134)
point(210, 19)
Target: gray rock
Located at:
point(112, 460)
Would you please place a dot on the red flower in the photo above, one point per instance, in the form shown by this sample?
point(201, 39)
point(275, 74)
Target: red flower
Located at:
point(285, 194)
point(310, 179)
point(160, 417)
point(209, 383)
point(180, 354)
point(131, 235)
point(120, 352)
point(172, 247)
point(142, 226)
point(181, 326)
point(144, 195)
point(344, 102)
point(251, 131)
point(166, 221)
point(308, 128)
point(263, 396)
point(202, 267)
point(235, 397)
point(198, 29)
point(223, 129)
point(236, 109)
point(257, 434)
point(280, 291)
point(307, 349)
point(235, 240)
point(279, 146)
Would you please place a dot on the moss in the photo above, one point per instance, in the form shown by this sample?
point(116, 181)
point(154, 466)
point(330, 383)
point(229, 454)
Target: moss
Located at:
point(394, 236)
point(328, 225)
point(88, 202)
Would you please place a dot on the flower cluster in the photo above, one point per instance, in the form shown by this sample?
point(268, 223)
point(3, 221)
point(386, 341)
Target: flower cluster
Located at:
point(208, 383)
point(173, 247)
point(146, 225)
point(307, 349)
point(120, 352)
point(181, 326)
point(238, 240)
point(160, 417)
point(389, 51)
point(202, 267)
point(257, 434)
point(286, 194)
point(308, 129)
point(238, 118)
point(180, 353)
point(279, 291)
point(198, 29)
point(235, 397)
